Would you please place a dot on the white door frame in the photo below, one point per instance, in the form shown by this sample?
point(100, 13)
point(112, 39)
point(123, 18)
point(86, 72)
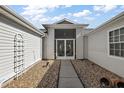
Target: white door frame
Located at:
point(66, 57)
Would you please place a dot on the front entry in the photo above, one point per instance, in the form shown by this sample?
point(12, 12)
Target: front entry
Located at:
point(65, 48)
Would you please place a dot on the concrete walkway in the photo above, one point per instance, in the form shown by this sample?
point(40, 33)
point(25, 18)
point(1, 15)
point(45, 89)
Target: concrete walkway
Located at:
point(68, 77)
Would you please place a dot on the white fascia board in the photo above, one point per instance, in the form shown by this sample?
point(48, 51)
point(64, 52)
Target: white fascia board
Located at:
point(17, 18)
point(65, 25)
point(106, 23)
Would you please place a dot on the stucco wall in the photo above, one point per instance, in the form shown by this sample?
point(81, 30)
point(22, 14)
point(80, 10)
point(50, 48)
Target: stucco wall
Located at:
point(44, 48)
point(79, 43)
point(98, 48)
point(85, 47)
point(50, 43)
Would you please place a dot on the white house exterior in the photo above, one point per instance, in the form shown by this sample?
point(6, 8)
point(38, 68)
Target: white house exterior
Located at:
point(89, 44)
point(106, 45)
point(20, 44)
point(64, 40)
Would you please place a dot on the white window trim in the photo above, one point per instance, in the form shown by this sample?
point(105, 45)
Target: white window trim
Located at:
point(108, 44)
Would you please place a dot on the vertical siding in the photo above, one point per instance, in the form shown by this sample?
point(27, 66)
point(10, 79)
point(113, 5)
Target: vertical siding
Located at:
point(32, 51)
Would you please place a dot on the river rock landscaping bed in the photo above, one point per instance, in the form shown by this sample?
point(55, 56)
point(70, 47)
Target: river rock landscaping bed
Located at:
point(91, 73)
point(50, 79)
point(32, 77)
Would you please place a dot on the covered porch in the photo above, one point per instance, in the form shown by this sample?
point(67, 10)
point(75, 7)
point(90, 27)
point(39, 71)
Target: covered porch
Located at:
point(64, 40)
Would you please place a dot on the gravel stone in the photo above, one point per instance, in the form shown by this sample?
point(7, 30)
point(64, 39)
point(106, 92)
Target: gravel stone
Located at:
point(32, 77)
point(91, 73)
point(50, 79)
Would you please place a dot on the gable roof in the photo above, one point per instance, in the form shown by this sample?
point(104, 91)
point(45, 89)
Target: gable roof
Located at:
point(65, 21)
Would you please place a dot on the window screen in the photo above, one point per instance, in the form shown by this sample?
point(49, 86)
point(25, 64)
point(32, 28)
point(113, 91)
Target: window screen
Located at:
point(65, 33)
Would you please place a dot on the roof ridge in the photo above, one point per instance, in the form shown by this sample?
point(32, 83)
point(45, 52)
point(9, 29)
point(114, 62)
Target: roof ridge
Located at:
point(65, 19)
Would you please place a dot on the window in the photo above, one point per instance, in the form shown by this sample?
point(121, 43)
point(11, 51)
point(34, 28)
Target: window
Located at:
point(18, 53)
point(116, 42)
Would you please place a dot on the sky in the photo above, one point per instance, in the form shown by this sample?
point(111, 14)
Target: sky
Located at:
point(94, 15)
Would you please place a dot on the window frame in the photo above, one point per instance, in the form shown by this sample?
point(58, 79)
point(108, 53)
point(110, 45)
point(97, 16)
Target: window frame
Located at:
point(114, 56)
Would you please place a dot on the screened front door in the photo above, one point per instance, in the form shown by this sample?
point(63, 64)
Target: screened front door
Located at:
point(65, 48)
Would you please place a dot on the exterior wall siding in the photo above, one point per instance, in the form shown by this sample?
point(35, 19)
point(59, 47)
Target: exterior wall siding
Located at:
point(32, 49)
point(98, 48)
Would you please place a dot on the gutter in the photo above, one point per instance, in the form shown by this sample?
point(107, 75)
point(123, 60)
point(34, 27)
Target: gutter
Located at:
point(107, 22)
point(48, 25)
point(56, 25)
point(20, 20)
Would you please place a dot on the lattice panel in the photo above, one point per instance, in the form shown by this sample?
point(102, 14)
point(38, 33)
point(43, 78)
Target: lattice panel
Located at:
point(18, 53)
